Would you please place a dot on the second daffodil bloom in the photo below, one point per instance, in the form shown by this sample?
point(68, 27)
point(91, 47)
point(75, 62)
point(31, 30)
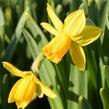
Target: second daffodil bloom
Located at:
point(26, 88)
point(70, 35)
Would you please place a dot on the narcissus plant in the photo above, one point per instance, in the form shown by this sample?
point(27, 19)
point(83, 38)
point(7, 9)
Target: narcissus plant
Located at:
point(71, 35)
point(27, 88)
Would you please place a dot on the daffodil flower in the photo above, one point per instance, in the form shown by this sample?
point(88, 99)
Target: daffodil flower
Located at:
point(70, 35)
point(27, 88)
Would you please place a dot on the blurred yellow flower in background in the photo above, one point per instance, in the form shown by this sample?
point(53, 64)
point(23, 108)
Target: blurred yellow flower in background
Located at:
point(70, 35)
point(27, 88)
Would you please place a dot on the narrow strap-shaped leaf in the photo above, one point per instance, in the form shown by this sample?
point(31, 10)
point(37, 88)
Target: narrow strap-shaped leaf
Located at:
point(47, 71)
point(37, 33)
point(2, 21)
point(16, 36)
point(79, 84)
point(35, 30)
point(104, 94)
point(83, 103)
point(106, 75)
point(4, 90)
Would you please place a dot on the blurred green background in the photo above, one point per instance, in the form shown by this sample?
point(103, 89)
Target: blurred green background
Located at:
point(22, 38)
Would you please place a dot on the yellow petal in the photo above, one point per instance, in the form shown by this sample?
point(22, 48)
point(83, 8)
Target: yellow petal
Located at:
point(12, 69)
point(88, 35)
point(45, 89)
point(57, 48)
point(30, 91)
point(13, 91)
point(74, 23)
point(22, 92)
point(49, 28)
point(55, 20)
point(78, 55)
point(21, 104)
point(23, 87)
point(28, 95)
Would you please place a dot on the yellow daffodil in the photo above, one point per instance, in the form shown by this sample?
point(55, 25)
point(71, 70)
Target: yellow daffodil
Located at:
point(26, 88)
point(70, 35)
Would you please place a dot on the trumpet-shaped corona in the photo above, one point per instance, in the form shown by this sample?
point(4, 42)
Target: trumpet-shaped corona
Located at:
point(26, 88)
point(70, 35)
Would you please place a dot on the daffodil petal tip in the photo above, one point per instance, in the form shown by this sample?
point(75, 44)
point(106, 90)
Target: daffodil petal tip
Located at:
point(48, 5)
point(55, 96)
point(4, 64)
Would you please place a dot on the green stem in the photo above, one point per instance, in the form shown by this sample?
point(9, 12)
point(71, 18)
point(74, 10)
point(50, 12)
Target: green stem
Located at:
point(37, 63)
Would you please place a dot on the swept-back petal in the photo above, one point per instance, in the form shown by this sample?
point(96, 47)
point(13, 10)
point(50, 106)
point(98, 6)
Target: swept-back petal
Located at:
point(78, 55)
point(55, 20)
point(74, 23)
point(12, 69)
point(13, 91)
point(45, 89)
point(49, 28)
point(88, 35)
point(57, 48)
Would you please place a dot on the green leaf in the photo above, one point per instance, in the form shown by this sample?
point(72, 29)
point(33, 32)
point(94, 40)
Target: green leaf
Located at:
point(107, 21)
point(4, 91)
point(79, 86)
point(36, 31)
point(31, 44)
point(104, 12)
point(83, 103)
point(92, 66)
point(2, 21)
point(41, 41)
point(106, 74)
point(16, 36)
point(47, 71)
point(104, 94)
